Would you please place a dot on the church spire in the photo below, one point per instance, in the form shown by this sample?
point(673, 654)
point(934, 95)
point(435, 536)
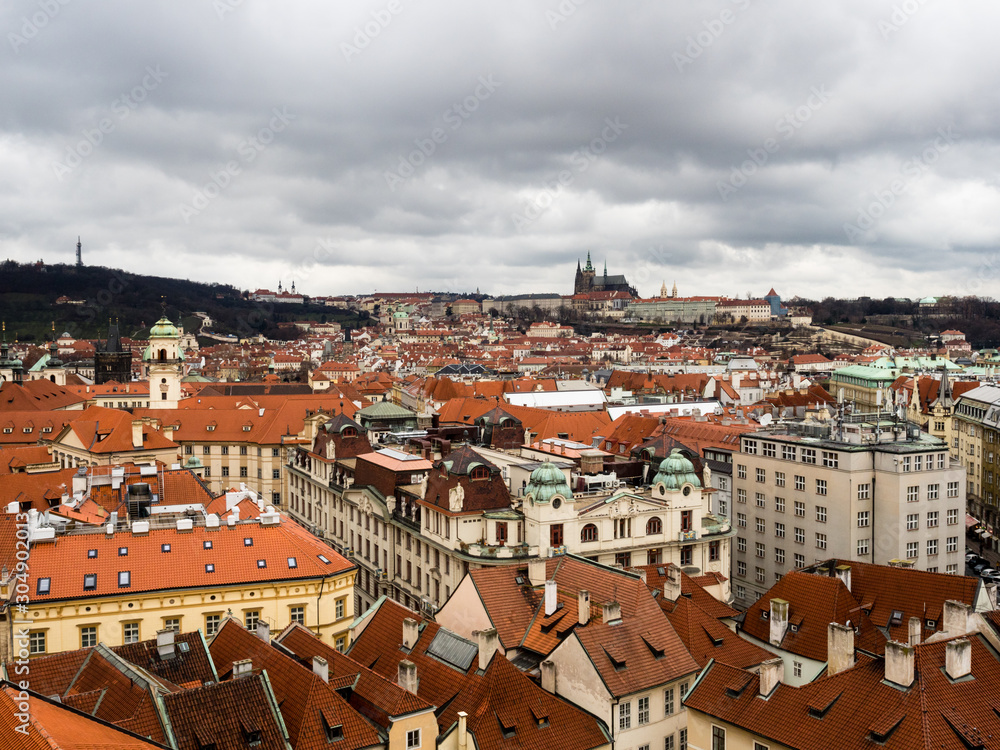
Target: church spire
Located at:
point(605, 268)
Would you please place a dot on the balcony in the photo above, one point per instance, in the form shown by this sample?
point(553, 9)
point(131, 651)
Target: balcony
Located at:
point(687, 536)
point(499, 551)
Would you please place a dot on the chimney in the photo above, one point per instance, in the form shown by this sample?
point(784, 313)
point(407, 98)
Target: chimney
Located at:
point(463, 736)
point(779, 621)
point(583, 607)
point(137, 433)
point(612, 612)
point(914, 630)
point(411, 632)
point(839, 648)
point(536, 572)
point(672, 584)
point(770, 675)
point(321, 668)
point(956, 618)
point(549, 676)
point(488, 642)
point(165, 643)
point(550, 598)
point(958, 658)
point(407, 676)
point(843, 572)
point(899, 661)
point(263, 631)
point(242, 668)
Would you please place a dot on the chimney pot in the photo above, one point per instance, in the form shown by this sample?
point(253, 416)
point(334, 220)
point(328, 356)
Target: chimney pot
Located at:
point(550, 598)
point(958, 658)
point(488, 642)
point(321, 668)
point(899, 663)
point(548, 668)
point(411, 633)
point(583, 607)
point(839, 648)
point(770, 675)
point(612, 612)
point(407, 676)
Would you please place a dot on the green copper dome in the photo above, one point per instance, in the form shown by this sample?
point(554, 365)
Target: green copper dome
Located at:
point(193, 462)
point(546, 482)
point(163, 328)
point(676, 471)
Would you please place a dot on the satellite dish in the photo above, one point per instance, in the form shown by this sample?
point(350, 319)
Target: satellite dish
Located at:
point(765, 420)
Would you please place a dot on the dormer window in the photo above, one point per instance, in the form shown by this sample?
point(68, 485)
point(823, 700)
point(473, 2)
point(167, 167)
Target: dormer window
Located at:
point(89, 581)
point(43, 586)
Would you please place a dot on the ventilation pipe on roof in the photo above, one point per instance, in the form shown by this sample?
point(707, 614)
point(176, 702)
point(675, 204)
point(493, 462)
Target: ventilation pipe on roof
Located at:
point(488, 642)
point(899, 663)
point(321, 668)
point(407, 676)
point(956, 618)
point(839, 648)
point(548, 669)
point(958, 658)
point(913, 627)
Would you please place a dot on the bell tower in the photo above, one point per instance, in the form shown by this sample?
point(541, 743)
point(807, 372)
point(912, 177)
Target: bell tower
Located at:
point(164, 365)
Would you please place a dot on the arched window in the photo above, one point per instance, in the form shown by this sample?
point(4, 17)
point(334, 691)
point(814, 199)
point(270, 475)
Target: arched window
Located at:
point(349, 432)
point(588, 533)
point(480, 472)
point(163, 355)
point(654, 526)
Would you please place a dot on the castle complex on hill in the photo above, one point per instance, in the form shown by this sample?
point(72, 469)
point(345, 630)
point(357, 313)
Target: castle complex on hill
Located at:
point(588, 281)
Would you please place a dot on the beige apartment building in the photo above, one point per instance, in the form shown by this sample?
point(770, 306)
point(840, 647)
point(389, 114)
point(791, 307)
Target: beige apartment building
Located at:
point(873, 494)
point(976, 443)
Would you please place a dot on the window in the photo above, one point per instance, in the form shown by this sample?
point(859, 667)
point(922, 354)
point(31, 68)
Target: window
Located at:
point(206, 450)
point(779, 556)
point(683, 740)
point(741, 495)
point(741, 569)
point(275, 452)
point(760, 575)
point(779, 530)
point(251, 618)
point(820, 541)
point(760, 549)
point(912, 494)
point(800, 560)
point(911, 549)
point(912, 521)
point(642, 715)
point(864, 519)
point(952, 516)
point(761, 500)
point(741, 592)
point(89, 581)
point(951, 569)
point(687, 555)
point(830, 459)
point(741, 471)
point(932, 546)
point(42, 587)
point(654, 526)
point(275, 473)
point(932, 519)
point(808, 456)
point(88, 636)
point(225, 450)
point(556, 534)
point(624, 559)
point(212, 624)
point(779, 504)
point(91, 554)
point(940, 461)
point(741, 544)
point(750, 447)
point(788, 452)
point(862, 547)
point(760, 525)
point(821, 513)
point(779, 478)
point(952, 489)
point(918, 463)
point(906, 463)
point(588, 533)
point(713, 551)
point(820, 486)
point(741, 520)
point(130, 632)
point(864, 491)
point(800, 509)
point(951, 544)
point(209, 567)
point(172, 623)
point(718, 738)
point(800, 483)
point(761, 475)
point(36, 642)
point(243, 471)
point(668, 742)
point(122, 551)
point(413, 739)
point(800, 535)
point(297, 614)
point(668, 701)
point(124, 579)
point(292, 562)
point(339, 608)
point(624, 716)
point(767, 449)
point(243, 448)
point(207, 544)
point(796, 669)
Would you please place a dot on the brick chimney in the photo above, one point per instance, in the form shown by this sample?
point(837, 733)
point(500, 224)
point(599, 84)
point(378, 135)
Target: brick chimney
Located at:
point(770, 675)
point(956, 618)
point(551, 601)
point(583, 607)
point(913, 626)
point(536, 572)
point(407, 676)
point(778, 621)
point(612, 612)
point(411, 633)
point(321, 668)
point(548, 668)
point(672, 584)
point(839, 648)
point(488, 642)
point(899, 663)
point(958, 658)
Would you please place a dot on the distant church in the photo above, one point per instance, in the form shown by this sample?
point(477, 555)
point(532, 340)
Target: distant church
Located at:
point(588, 281)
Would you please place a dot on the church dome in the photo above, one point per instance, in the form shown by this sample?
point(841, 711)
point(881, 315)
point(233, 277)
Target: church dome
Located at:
point(193, 462)
point(675, 471)
point(163, 328)
point(546, 482)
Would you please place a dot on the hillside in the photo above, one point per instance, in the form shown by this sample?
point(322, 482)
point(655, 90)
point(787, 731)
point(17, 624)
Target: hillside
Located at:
point(28, 294)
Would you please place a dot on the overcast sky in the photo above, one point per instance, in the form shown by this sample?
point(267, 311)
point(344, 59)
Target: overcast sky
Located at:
point(843, 148)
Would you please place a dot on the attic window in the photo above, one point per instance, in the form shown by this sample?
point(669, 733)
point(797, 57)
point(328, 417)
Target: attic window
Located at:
point(46, 429)
point(164, 548)
point(246, 428)
point(292, 562)
point(209, 567)
point(124, 579)
point(210, 428)
point(252, 737)
point(764, 614)
point(794, 628)
point(519, 580)
point(7, 430)
point(262, 563)
point(931, 624)
point(248, 541)
point(507, 731)
point(122, 551)
point(207, 544)
point(324, 559)
point(897, 617)
point(334, 732)
point(43, 585)
point(90, 581)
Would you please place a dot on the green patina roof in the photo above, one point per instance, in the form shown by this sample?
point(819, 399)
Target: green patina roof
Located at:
point(385, 410)
point(163, 328)
point(546, 482)
point(675, 471)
